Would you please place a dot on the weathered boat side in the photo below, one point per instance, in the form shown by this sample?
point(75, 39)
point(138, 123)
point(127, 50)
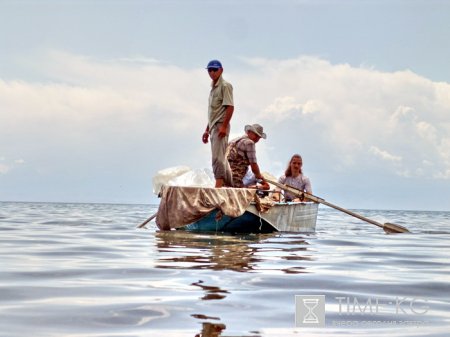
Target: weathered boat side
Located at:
point(292, 217)
point(246, 223)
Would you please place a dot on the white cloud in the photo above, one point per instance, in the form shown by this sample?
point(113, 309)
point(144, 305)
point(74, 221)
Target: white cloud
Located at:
point(312, 106)
point(385, 155)
point(287, 107)
point(401, 114)
point(140, 59)
point(282, 108)
point(427, 131)
point(7, 166)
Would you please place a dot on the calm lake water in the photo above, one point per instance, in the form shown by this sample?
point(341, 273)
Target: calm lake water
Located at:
point(85, 270)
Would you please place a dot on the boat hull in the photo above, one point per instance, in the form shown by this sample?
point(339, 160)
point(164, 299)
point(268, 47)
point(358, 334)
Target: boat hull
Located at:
point(286, 217)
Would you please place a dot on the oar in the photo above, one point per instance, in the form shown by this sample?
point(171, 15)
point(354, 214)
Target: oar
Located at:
point(147, 221)
point(388, 227)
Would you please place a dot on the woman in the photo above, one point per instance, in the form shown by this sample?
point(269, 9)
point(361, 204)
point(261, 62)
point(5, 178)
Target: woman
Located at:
point(294, 177)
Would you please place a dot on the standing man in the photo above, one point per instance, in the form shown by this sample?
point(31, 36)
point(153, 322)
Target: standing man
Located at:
point(220, 111)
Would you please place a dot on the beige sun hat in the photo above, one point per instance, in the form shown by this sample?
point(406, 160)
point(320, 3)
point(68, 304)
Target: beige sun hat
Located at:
point(256, 128)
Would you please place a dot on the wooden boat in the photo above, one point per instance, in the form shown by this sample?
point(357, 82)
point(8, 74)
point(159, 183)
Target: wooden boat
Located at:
point(284, 217)
point(235, 210)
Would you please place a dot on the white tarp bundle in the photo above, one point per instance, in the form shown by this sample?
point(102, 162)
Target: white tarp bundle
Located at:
point(182, 176)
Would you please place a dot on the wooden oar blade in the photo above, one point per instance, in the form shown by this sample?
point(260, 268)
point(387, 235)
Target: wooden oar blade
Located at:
point(393, 228)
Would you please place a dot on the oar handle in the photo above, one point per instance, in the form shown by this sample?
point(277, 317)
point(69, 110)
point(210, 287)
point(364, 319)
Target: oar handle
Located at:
point(388, 227)
point(318, 200)
point(329, 204)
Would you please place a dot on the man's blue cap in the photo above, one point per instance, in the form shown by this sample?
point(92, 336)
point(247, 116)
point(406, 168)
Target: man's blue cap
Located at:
point(214, 64)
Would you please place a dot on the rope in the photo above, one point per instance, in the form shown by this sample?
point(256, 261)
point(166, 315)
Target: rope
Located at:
point(258, 208)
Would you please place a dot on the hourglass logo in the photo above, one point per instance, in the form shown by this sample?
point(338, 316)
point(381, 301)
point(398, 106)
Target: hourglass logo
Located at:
point(310, 310)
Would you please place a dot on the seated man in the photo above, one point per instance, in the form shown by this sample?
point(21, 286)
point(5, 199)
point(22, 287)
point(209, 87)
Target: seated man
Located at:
point(241, 154)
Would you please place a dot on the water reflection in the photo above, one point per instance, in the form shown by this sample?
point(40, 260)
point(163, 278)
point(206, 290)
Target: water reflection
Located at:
point(287, 252)
point(211, 330)
point(212, 292)
point(187, 250)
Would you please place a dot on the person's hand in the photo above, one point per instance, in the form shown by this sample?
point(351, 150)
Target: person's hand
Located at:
point(264, 185)
point(205, 137)
point(222, 131)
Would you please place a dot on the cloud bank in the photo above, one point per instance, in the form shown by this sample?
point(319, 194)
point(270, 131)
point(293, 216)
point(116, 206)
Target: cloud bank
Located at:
point(89, 116)
point(396, 121)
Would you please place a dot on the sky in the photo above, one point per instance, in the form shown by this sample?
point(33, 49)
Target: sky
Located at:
point(97, 96)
